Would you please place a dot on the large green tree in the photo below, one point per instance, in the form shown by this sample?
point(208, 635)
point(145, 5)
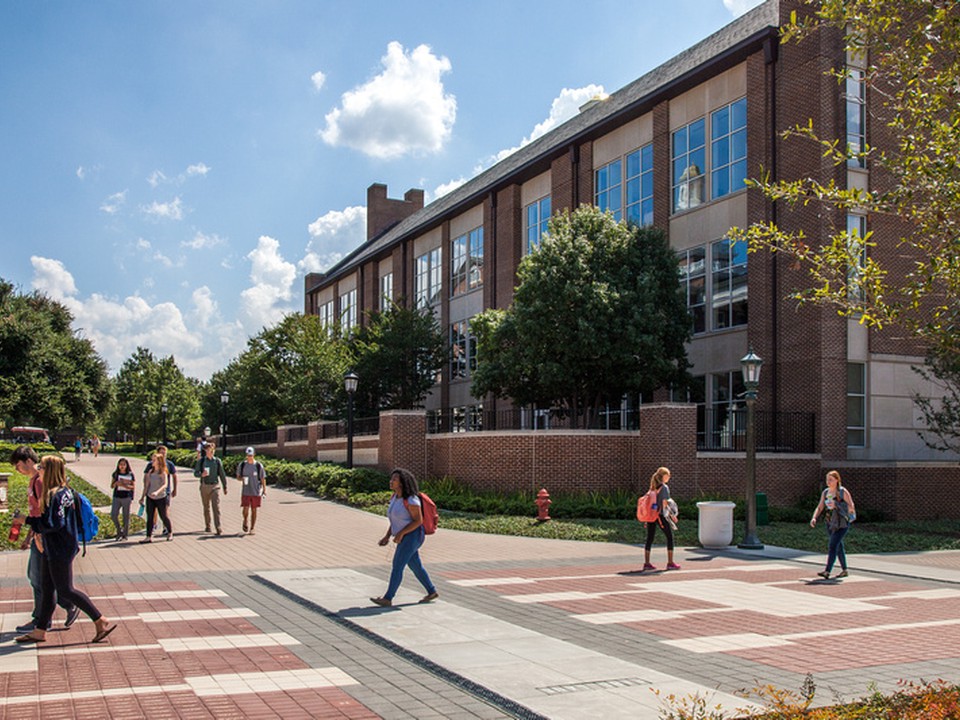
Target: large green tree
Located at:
point(909, 49)
point(291, 373)
point(48, 375)
point(598, 312)
point(143, 385)
point(397, 355)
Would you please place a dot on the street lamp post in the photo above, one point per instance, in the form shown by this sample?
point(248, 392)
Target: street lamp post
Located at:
point(350, 381)
point(224, 400)
point(163, 427)
point(143, 428)
point(750, 367)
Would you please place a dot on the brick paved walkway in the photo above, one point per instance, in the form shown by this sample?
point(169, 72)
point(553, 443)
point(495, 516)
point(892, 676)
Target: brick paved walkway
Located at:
point(199, 636)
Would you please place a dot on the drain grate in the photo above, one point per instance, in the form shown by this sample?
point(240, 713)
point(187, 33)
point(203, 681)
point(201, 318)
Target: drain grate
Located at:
point(594, 685)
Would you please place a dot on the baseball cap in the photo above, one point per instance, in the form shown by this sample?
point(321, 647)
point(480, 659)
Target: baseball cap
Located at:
point(251, 451)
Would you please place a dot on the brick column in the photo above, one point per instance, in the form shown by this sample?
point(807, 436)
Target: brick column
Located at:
point(668, 437)
point(403, 441)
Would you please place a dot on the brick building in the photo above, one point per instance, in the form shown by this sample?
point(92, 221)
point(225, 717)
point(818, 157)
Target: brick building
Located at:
point(672, 149)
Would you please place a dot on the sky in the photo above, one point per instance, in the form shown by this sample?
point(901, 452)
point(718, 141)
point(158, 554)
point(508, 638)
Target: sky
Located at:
point(171, 169)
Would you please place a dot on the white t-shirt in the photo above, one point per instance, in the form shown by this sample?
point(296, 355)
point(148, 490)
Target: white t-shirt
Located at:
point(398, 514)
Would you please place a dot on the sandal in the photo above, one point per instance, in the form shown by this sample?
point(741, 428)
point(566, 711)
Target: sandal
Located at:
point(102, 634)
point(24, 639)
point(824, 574)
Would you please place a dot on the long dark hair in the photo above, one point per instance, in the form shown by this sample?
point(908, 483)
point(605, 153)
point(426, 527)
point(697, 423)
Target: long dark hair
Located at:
point(408, 483)
point(116, 472)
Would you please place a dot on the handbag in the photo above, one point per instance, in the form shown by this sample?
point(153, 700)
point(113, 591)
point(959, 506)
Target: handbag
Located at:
point(843, 509)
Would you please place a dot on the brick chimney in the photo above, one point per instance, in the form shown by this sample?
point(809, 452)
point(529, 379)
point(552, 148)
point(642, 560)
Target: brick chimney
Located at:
point(383, 213)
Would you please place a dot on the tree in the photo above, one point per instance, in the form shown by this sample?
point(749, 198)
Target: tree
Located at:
point(598, 312)
point(48, 375)
point(397, 355)
point(145, 384)
point(291, 373)
point(909, 49)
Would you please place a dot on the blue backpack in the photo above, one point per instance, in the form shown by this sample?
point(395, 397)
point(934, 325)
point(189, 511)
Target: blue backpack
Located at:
point(88, 524)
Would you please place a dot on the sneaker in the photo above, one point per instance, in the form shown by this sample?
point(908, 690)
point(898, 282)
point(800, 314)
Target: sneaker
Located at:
point(27, 627)
point(648, 566)
point(429, 597)
point(842, 574)
point(672, 566)
point(219, 531)
point(146, 540)
point(72, 616)
point(825, 574)
point(382, 602)
point(207, 529)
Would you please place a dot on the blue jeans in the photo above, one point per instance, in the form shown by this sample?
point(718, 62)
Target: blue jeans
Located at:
point(35, 573)
point(407, 555)
point(835, 551)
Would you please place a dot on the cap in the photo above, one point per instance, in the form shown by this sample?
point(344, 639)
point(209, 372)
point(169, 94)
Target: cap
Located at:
point(251, 451)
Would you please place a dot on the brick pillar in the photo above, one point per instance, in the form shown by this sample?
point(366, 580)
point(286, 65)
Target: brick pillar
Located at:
point(313, 432)
point(281, 438)
point(403, 441)
point(668, 437)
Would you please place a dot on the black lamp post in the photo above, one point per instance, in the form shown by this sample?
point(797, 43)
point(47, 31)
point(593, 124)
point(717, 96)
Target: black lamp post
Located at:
point(143, 428)
point(350, 381)
point(163, 427)
point(224, 400)
point(750, 367)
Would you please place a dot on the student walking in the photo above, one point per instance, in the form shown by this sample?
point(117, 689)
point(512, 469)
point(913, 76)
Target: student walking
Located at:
point(56, 529)
point(123, 482)
point(658, 482)
point(837, 502)
point(172, 481)
point(24, 460)
point(406, 527)
point(254, 478)
point(212, 477)
point(154, 496)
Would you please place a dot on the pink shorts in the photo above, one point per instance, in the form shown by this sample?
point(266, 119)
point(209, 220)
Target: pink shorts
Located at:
point(250, 501)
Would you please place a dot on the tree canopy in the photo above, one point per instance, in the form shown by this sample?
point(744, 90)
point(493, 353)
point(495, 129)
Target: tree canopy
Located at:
point(48, 375)
point(598, 312)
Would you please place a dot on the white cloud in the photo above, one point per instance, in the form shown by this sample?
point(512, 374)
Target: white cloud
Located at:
point(403, 110)
point(268, 299)
point(172, 210)
point(156, 178)
point(565, 106)
point(84, 172)
point(81, 172)
point(200, 341)
point(143, 244)
point(198, 169)
point(202, 240)
point(112, 205)
point(332, 236)
point(739, 7)
point(447, 187)
point(318, 79)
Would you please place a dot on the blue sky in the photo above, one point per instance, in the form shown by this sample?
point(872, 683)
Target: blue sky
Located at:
point(171, 169)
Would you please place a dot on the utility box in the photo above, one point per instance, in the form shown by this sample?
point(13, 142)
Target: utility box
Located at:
point(763, 510)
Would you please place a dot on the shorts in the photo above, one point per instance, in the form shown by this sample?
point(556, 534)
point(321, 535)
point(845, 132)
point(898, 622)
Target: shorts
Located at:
point(250, 501)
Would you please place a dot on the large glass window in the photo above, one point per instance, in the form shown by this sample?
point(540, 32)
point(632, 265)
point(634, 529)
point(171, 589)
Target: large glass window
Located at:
point(693, 279)
point(463, 350)
point(856, 98)
point(857, 246)
point(728, 299)
point(856, 405)
point(726, 398)
point(639, 186)
point(427, 278)
point(466, 261)
point(537, 215)
point(609, 181)
point(386, 291)
point(689, 165)
point(326, 315)
point(728, 148)
point(348, 311)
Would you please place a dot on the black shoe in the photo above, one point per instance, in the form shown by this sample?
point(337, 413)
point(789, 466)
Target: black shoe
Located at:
point(27, 627)
point(147, 539)
point(219, 531)
point(72, 615)
point(824, 574)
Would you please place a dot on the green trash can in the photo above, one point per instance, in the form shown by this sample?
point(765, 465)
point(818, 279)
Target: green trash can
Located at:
point(763, 513)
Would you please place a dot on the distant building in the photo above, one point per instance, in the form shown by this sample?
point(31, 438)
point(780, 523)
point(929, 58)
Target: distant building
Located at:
point(672, 149)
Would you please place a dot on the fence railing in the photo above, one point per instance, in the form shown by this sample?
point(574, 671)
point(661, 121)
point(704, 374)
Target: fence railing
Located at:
point(297, 433)
point(338, 428)
point(725, 430)
point(260, 437)
point(473, 420)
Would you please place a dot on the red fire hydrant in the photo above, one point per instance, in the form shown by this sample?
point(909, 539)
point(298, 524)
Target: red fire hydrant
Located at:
point(543, 505)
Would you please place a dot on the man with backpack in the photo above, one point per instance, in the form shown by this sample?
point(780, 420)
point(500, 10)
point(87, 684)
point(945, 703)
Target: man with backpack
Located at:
point(24, 460)
point(254, 478)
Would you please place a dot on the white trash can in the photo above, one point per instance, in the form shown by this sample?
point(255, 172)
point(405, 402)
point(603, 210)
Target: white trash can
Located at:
point(715, 523)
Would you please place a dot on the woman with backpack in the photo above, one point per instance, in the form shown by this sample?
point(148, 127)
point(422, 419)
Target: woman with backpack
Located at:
point(56, 536)
point(837, 502)
point(658, 484)
point(406, 526)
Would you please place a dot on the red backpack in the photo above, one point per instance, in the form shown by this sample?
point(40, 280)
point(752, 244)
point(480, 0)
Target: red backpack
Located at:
point(647, 508)
point(428, 512)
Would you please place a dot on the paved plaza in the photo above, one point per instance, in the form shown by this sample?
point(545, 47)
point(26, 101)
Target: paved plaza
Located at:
point(278, 624)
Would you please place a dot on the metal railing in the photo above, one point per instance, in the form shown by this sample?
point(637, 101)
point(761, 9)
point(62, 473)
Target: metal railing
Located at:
point(473, 420)
point(261, 437)
point(725, 430)
point(338, 428)
point(298, 433)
